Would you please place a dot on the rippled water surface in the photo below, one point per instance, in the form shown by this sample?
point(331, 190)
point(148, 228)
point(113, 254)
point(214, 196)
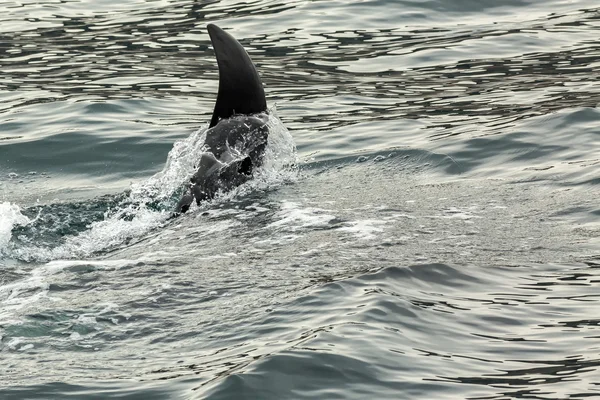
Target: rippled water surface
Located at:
point(426, 224)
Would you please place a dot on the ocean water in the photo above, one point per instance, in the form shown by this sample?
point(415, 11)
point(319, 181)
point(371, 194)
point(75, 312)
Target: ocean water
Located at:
point(426, 224)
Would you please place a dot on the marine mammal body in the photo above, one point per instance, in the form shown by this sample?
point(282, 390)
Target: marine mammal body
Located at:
point(237, 134)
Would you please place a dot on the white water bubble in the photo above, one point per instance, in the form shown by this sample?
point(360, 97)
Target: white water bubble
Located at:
point(10, 216)
point(13, 343)
point(87, 319)
point(366, 229)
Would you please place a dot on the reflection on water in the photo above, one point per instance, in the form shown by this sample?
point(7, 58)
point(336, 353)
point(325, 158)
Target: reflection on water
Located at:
point(455, 79)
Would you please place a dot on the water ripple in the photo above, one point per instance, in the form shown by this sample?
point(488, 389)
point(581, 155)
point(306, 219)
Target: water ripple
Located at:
point(440, 241)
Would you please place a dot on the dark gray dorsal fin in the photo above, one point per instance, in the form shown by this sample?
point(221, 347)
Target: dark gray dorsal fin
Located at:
point(240, 88)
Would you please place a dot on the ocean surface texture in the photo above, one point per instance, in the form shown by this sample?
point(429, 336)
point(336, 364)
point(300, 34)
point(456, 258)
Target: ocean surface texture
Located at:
point(426, 224)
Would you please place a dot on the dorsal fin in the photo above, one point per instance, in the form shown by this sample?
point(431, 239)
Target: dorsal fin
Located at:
point(240, 88)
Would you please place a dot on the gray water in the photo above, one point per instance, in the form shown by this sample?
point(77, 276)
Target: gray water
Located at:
point(426, 224)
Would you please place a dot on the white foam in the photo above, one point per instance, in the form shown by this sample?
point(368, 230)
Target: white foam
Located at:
point(293, 217)
point(364, 229)
point(10, 216)
point(202, 230)
point(14, 342)
point(56, 266)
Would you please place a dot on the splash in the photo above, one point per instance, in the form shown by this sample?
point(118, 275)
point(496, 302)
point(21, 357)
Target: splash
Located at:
point(149, 204)
point(10, 216)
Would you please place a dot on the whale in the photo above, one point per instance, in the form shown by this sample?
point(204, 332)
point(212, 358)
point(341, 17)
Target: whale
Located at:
point(237, 134)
